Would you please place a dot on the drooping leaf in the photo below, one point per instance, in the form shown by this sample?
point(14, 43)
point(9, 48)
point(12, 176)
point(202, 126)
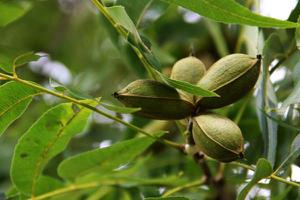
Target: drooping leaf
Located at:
point(293, 155)
point(14, 99)
point(281, 122)
point(118, 13)
point(12, 10)
point(229, 11)
point(120, 109)
point(134, 8)
point(266, 97)
point(138, 9)
point(47, 137)
point(185, 86)
point(105, 159)
point(263, 170)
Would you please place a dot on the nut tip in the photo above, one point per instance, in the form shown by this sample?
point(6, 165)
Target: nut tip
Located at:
point(116, 95)
point(259, 56)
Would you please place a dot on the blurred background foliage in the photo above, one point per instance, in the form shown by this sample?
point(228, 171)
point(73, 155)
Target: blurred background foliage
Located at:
point(82, 51)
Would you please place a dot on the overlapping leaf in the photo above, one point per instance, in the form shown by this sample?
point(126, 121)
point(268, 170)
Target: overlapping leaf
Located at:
point(47, 137)
point(105, 159)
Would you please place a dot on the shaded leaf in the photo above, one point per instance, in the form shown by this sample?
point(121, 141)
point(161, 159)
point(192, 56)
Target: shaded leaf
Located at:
point(104, 159)
point(11, 11)
point(14, 100)
point(25, 58)
point(229, 11)
point(7, 56)
point(120, 109)
point(218, 37)
point(47, 137)
point(263, 170)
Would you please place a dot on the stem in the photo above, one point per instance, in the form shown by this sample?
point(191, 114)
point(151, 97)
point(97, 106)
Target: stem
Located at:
point(78, 102)
point(124, 33)
point(273, 176)
point(199, 159)
point(183, 187)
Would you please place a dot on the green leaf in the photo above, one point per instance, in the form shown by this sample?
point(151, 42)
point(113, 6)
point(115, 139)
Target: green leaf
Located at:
point(280, 122)
point(166, 198)
point(14, 100)
point(11, 11)
point(25, 58)
point(266, 97)
point(129, 181)
point(185, 86)
point(118, 13)
point(47, 137)
point(47, 184)
point(293, 155)
point(263, 170)
point(120, 109)
point(297, 34)
point(229, 11)
point(105, 159)
point(135, 8)
point(67, 90)
point(218, 37)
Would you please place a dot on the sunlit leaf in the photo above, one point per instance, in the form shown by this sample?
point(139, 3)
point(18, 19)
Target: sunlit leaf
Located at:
point(47, 137)
point(14, 100)
point(229, 11)
point(103, 160)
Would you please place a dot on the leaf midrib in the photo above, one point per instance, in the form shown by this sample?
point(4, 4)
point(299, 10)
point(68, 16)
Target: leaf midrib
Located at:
point(46, 150)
